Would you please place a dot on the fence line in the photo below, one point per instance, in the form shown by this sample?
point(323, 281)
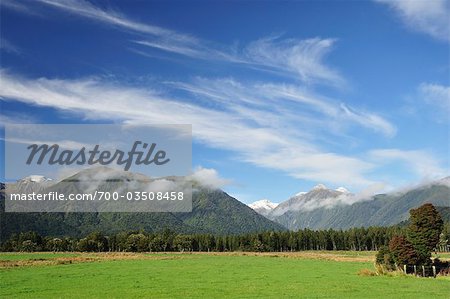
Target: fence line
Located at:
point(424, 271)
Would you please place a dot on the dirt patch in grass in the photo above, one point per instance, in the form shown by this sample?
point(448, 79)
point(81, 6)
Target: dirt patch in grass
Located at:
point(44, 262)
point(85, 258)
point(319, 255)
point(367, 272)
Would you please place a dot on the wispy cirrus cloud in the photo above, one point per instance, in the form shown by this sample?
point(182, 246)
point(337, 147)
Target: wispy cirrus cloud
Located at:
point(268, 124)
point(257, 133)
point(162, 38)
point(21, 7)
point(88, 10)
point(255, 121)
point(436, 95)
point(370, 120)
point(420, 162)
point(259, 101)
point(16, 118)
point(9, 47)
point(430, 17)
point(302, 59)
point(295, 58)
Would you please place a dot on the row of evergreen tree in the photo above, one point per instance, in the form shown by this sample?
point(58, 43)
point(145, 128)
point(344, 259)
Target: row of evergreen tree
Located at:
point(371, 238)
point(396, 244)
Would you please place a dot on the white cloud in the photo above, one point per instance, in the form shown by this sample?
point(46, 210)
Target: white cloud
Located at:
point(16, 118)
point(160, 185)
point(370, 120)
point(308, 202)
point(343, 199)
point(445, 181)
point(174, 47)
point(431, 17)
point(9, 47)
point(301, 59)
point(420, 162)
point(162, 38)
point(260, 134)
point(87, 10)
point(317, 166)
point(209, 177)
point(65, 144)
point(436, 95)
point(20, 7)
point(268, 125)
point(258, 101)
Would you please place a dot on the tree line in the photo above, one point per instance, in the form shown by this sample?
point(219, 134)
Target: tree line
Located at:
point(371, 238)
point(356, 239)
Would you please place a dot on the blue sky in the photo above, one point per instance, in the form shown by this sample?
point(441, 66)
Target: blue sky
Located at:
point(281, 95)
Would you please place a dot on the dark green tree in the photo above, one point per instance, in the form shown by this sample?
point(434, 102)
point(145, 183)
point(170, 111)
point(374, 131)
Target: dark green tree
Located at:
point(182, 243)
point(28, 246)
point(156, 243)
point(55, 244)
point(95, 241)
point(384, 257)
point(257, 245)
point(137, 243)
point(424, 231)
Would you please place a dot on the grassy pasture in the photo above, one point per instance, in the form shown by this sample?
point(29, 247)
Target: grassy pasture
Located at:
point(205, 275)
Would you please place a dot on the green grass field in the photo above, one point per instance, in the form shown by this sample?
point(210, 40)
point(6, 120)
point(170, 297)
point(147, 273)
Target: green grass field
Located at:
point(310, 275)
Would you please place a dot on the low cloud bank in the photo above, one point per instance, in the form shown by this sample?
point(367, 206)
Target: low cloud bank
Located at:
point(208, 177)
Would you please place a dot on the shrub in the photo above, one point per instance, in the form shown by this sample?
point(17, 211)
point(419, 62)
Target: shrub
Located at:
point(384, 258)
point(366, 272)
point(402, 251)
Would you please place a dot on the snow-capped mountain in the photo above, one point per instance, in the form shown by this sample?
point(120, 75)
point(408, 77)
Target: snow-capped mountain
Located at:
point(319, 187)
point(301, 193)
point(445, 181)
point(323, 208)
point(32, 183)
point(263, 206)
point(319, 196)
point(36, 179)
point(342, 189)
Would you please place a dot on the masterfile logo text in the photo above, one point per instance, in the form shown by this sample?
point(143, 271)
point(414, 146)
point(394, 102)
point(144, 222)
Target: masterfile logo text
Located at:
point(98, 168)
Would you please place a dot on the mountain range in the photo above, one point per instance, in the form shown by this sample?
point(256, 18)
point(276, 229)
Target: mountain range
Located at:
point(323, 208)
point(216, 212)
point(213, 211)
